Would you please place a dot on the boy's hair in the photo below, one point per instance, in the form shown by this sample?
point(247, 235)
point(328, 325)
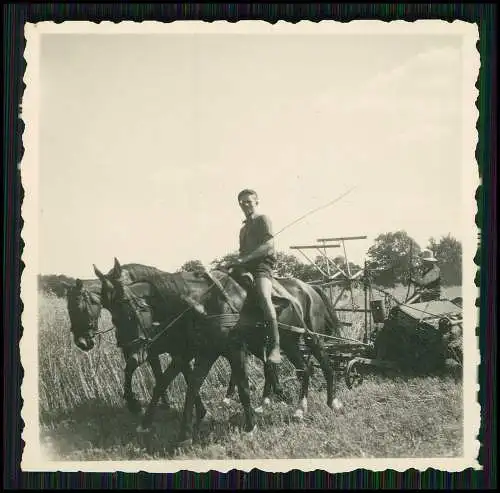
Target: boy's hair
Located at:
point(247, 191)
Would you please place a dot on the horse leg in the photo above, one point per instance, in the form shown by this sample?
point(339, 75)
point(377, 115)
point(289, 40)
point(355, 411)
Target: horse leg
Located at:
point(270, 382)
point(154, 361)
point(133, 404)
point(275, 381)
point(196, 378)
point(164, 380)
point(331, 380)
point(303, 371)
point(238, 359)
point(201, 411)
point(231, 389)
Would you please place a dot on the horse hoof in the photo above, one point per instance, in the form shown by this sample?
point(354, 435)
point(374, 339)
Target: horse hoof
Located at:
point(140, 429)
point(206, 417)
point(249, 434)
point(226, 401)
point(336, 405)
point(298, 415)
point(266, 402)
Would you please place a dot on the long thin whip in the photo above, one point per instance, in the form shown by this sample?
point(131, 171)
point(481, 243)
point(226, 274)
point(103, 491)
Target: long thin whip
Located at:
point(315, 210)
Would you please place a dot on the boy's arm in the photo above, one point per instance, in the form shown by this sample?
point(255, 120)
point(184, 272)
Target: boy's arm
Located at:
point(263, 250)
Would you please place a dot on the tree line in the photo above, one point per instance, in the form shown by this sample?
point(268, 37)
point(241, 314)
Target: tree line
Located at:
point(391, 259)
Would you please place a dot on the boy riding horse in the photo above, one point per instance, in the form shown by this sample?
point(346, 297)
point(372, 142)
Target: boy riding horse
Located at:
point(257, 256)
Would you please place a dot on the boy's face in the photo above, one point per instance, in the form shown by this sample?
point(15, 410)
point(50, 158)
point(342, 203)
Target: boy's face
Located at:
point(248, 204)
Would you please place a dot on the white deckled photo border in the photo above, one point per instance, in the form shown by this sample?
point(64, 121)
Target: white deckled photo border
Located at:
point(34, 458)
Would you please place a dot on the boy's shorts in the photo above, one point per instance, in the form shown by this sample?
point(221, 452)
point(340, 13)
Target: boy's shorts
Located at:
point(262, 270)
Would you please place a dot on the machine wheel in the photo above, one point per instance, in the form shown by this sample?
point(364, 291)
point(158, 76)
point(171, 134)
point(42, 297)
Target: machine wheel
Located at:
point(353, 374)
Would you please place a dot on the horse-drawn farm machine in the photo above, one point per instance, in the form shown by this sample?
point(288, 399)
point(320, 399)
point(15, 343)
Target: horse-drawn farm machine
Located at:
point(383, 332)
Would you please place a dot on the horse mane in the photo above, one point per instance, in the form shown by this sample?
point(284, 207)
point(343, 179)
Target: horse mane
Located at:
point(137, 270)
point(170, 286)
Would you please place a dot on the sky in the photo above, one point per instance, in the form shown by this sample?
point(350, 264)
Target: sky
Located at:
point(146, 140)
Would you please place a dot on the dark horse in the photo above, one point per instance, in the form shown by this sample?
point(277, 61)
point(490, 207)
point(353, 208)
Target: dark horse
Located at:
point(84, 308)
point(220, 321)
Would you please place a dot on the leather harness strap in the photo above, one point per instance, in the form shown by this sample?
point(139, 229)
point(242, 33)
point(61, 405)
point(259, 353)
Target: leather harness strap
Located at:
point(221, 289)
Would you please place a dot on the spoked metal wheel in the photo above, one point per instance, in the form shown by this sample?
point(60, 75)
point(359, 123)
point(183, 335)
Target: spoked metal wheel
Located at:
point(353, 374)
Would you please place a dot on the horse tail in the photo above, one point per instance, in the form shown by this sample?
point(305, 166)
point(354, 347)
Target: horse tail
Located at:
point(333, 321)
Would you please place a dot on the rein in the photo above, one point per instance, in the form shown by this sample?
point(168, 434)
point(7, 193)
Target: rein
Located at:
point(87, 298)
point(104, 331)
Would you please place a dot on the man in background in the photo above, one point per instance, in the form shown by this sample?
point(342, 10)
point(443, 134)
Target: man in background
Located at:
point(428, 284)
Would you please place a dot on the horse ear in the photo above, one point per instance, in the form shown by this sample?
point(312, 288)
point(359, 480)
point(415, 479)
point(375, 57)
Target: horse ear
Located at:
point(98, 273)
point(79, 284)
point(117, 269)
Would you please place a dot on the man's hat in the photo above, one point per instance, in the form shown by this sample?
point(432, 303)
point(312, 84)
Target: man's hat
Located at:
point(428, 256)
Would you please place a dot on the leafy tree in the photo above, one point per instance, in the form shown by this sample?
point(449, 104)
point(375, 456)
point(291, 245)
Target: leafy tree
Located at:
point(53, 283)
point(448, 251)
point(308, 272)
point(341, 262)
point(192, 266)
point(287, 265)
point(221, 262)
point(390, 260)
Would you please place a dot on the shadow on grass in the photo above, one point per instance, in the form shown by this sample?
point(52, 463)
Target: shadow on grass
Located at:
point(97, 431)
point(398, 416)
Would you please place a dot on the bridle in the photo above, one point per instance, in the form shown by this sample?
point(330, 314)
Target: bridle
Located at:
point(131, 309)
point(92, 322)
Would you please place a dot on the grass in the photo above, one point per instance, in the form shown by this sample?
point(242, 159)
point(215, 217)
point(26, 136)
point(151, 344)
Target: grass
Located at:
point(83, 416)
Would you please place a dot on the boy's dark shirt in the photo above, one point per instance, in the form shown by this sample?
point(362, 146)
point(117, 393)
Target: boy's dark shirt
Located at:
point(255, 232)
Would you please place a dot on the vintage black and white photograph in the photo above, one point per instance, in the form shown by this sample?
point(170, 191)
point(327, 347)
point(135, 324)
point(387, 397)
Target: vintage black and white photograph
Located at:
point(250, 245)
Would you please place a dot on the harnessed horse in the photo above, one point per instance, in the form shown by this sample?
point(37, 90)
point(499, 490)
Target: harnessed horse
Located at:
point(84, 308)
point(219, 325)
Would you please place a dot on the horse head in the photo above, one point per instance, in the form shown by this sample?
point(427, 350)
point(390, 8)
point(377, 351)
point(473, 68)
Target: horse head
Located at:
point(84, 308)
point(124, 299)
